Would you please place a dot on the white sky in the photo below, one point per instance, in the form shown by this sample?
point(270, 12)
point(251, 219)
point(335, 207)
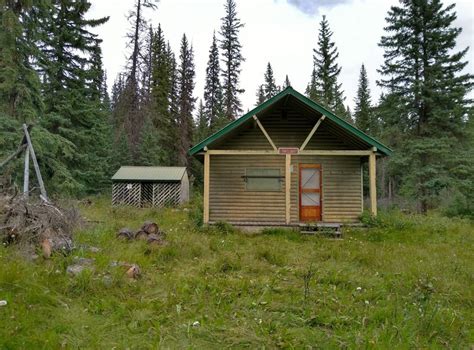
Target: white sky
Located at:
point(283, 32)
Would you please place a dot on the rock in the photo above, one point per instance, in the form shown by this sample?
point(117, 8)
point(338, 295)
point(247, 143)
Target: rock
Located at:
point(80, 264)
point(95, 249)
point(3, 303)
point(76, 269)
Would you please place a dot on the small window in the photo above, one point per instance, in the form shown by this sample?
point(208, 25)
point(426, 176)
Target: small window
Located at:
point(262, 179)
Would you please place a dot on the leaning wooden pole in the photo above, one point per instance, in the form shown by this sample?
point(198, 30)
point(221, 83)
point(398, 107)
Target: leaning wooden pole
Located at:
point(26, 174)
point(35, 164)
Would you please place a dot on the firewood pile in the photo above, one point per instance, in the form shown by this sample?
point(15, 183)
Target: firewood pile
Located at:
point(149, 232)
point(38, 224)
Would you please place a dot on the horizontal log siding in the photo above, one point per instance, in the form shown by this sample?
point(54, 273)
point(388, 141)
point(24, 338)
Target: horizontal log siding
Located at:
point(289, 132)
point(341, 187)
point(228, 198)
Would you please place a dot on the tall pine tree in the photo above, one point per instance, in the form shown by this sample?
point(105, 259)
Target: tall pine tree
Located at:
point(232, 59)
point(363, 112)
point(324, 86)
point(423, 76)
point(185, 122)
point(213, 108)
point(269, 87)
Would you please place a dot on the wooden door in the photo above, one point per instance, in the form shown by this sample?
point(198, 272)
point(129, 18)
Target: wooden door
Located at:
point(310, 194)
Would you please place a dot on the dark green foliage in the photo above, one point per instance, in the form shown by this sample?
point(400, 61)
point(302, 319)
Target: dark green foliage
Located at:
point(270, 88)
point(185, 79)
point(364, 117)
point(213, 98)
point(232, 59)
point(260, 95)
point(426, 106)
point(20, 95)
point(324, 86)
point(73, 79)
point(286, 83)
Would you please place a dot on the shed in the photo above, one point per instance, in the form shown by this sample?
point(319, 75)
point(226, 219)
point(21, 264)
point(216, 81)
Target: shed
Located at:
point(150, 186)
point(289, 161)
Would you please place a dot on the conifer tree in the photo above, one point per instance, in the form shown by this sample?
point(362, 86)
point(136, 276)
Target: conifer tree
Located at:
point(363, 112)
point(185, 79)
point(72, 79)
point(202, 126)
point(287, 82)
point(232, 59)
point(269, 87)
point(20, 90)
point(260, 95)
point(213, 108)
point(422, 74)
point(324, 86)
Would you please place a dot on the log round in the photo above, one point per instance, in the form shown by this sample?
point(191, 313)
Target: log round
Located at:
point(125, 233)
point(150, 227)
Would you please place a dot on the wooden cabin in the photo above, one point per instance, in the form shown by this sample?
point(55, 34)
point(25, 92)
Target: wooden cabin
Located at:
point(287, 162)
point(150, 186)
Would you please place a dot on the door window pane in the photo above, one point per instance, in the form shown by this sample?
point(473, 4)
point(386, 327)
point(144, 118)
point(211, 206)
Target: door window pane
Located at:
point(310, 178)
point(310, 199)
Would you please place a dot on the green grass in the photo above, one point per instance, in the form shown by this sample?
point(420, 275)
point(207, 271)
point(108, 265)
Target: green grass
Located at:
point(407, 282)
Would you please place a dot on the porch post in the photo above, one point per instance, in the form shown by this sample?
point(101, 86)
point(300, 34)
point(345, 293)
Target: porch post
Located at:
point(207, 160)
point(287, 188)
point(373, 185)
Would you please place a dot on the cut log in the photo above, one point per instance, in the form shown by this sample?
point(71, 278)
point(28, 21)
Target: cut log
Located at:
point(150, 227)
point(125, 233)
point(142, 235)
point(133, 272)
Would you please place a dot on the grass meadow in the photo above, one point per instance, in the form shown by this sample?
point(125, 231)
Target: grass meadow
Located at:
point(406, 282)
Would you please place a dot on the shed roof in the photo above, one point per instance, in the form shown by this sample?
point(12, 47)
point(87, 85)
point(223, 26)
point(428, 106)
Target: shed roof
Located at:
point(149, 173)
point(289, 91)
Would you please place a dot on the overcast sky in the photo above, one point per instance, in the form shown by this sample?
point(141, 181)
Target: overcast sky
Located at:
point(283, 32)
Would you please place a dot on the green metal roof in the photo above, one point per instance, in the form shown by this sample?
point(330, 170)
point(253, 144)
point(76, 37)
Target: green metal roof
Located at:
point(149, 173)
point(289, 91)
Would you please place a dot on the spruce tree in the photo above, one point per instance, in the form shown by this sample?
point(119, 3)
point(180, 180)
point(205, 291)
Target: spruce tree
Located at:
point(363, 112)
point(287, 82)
point(213, 108)
point(422, 74)
point(232, 59)
point(185, 123)
point(260, 95)
point(324, 86)
point(72, 81)
point(269, 87)
point(20, 89)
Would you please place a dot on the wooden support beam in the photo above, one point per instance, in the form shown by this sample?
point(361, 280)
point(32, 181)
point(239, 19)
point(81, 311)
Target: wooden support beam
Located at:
point(207, 164)
point(265, 132)
point(311, 133)
point(236, 152)
point(13, 155)
point(35, 163)
point(335, 153)
point(373, 184)
point(26, 174)
point(287, 188)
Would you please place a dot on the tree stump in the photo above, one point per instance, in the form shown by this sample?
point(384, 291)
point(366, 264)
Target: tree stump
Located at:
point(142, 235)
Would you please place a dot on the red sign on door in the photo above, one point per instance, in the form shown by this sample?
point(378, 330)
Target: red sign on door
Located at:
point(288, 150)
